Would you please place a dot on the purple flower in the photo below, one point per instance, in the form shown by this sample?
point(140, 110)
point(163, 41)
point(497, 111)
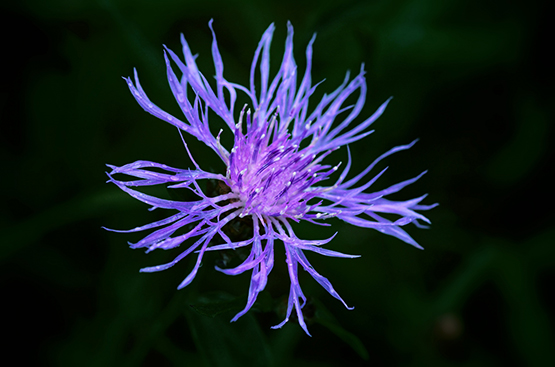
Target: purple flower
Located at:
point(274, 170)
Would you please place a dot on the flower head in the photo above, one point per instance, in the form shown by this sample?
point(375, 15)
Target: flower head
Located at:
point(274, 169)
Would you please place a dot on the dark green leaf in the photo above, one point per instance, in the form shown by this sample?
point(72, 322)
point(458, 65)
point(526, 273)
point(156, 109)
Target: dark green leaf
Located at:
point(325, 318)
point(213, 304)
point(223, 343)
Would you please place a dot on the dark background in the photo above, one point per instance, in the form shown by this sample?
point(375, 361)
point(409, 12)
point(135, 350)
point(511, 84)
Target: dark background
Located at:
point(471, 79)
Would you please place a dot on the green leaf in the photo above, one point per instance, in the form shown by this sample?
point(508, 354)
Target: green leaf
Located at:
point(222, 343)
point(326, 319)
point(264, 302)
point(214, 304)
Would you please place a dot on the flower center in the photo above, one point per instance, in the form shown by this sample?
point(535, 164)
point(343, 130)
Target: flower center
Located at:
point(268, 170)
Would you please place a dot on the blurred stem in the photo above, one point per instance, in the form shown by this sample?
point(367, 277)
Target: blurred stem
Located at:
point(284, 342)
point(176, 355)
point(144, 50)
point(459, 288)
point(526, 317)
point(513, 275)
point(74, 210)
point(157, 329)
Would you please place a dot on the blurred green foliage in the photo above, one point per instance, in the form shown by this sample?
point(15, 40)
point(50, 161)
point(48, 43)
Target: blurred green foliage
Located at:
point(470, 79)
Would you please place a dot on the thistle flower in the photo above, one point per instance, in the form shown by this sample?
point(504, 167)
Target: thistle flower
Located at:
point(274, 169)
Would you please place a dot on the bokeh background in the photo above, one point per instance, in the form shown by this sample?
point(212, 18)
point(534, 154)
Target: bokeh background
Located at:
point(471, 79)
